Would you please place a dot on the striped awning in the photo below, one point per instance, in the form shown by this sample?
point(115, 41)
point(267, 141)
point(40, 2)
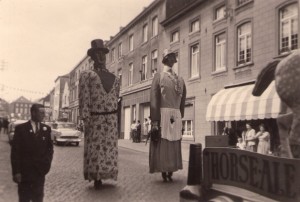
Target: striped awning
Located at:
point(238, 103)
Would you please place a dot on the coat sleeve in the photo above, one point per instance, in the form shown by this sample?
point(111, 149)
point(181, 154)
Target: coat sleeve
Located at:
point(16, 151)
point(84, 96)
point(182, 103)
point(155, 98)
point(50, 151)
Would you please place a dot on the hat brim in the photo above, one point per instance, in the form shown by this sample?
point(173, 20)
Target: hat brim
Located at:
point(92, 50)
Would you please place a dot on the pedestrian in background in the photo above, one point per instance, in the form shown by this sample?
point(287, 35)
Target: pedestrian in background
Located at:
point(133, 131)
point(249, 138)
point(146, 127)
point(98, 107)
point(167, 99)
point(263, 136)
point(31, 155)
point(5, 125)
point(138, 131)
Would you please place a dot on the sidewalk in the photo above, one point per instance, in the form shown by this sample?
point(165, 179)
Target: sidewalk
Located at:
point(185, 146)
point(142, 147)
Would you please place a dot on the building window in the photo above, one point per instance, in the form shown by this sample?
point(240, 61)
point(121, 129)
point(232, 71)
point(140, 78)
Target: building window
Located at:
point(154, 26)
point(187, 126)
point(244, 44)
point(112, 54)
point(17, 110)
point(195, 26)
point(130, 76)
point(175, 36)
point(195, 57)
point(220, 12)
point(220, 52)
point(289, 28)
point(175, 66)
point(145, 33)
point(154, 62)
point(144, 68)
point(120, 76)
point(131, 42)
point(242, 2)
point(17, 104)
point(120, 50)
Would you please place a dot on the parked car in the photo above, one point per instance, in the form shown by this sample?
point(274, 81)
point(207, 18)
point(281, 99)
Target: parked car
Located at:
point(11, 128)
point(64, 133)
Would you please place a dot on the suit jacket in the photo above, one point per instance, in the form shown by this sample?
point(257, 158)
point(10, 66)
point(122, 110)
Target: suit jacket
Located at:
point(31, 153)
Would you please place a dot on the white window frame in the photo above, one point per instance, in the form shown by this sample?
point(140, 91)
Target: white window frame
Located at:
point(120, 50)
point(220, 52)
point(195, 26)
point(154, 26)
point(195, 56)
point(174, 36)
point(220, 12)
point(144, 68)
point(154, 55)
point(246, 38)
point(130, 75)
point(288, 20)
point(145, 33)
point(186, 132)
point(131, 42)
point(112, 56)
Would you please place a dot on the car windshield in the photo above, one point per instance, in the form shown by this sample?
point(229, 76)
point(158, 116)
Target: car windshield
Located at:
point(64, 125)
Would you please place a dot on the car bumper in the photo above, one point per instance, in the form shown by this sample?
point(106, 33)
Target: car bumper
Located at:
point(67, 140)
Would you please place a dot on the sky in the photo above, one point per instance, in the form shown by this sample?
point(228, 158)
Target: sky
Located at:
point(43, 39)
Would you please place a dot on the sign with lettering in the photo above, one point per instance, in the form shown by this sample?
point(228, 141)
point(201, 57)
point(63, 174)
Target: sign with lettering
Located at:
point(274, 177)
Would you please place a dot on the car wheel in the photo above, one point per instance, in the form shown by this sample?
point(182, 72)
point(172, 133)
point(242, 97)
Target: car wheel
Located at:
point(77, 143)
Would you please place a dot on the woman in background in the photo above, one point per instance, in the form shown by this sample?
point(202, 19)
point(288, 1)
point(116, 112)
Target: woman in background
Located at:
point(263, 140)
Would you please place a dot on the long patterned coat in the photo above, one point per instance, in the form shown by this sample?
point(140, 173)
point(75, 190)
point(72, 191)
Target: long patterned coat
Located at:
point(101, 131)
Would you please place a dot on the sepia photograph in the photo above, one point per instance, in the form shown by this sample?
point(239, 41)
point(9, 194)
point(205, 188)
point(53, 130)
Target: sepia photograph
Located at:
point(149, 101)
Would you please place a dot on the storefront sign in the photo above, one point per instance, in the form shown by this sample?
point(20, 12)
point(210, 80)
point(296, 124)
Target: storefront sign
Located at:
point(274, 177)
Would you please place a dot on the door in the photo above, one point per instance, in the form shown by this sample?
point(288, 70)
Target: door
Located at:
point(127, 123)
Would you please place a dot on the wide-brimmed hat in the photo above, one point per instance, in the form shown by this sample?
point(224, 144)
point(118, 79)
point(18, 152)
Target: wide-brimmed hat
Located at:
point(167, 54)
point(97, 44)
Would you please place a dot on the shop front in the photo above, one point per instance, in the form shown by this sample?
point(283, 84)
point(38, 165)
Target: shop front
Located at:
point(234, 106)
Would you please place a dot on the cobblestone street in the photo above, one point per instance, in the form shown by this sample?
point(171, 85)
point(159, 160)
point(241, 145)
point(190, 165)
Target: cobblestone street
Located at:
point(65, 181)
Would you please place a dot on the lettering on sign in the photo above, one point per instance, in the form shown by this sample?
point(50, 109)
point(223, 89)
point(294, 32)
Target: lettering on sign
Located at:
point(274, 177)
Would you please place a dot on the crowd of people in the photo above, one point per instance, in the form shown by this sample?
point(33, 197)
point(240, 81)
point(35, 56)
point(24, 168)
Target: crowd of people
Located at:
point(251, 140)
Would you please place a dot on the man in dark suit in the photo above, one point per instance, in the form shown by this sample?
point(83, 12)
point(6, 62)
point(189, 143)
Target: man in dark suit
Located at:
point(31, 155)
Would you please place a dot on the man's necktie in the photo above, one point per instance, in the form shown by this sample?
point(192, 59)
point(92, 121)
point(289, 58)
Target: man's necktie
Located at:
point(36, 128)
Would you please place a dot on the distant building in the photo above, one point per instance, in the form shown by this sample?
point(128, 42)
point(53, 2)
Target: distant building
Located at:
point(135, 55)
point(4, 108)
point(58, 113)
point(20, 108)
point(85, 64)
point(51, 103)
point(65, 110)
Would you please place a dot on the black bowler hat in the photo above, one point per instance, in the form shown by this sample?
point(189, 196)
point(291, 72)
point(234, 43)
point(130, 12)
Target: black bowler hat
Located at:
point(97, 44)
point(167, 55)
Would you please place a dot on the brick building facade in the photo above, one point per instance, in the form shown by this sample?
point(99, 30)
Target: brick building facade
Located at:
point(84, 64)
point(218, 44)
